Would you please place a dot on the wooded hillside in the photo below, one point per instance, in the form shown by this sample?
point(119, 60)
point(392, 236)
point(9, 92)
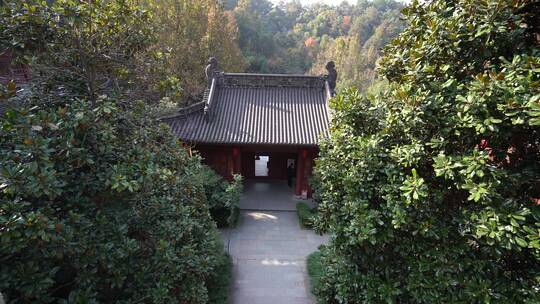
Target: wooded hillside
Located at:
point(291, 38)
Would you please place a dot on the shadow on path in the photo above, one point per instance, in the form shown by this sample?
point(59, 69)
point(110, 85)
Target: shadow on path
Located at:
point(268, 195)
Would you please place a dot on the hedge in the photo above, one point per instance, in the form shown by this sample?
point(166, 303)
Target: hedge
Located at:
point(306, 215)
point(220, 282)
point(223, 196)
point(99, 204)
point(431, 190)
point(315, 269)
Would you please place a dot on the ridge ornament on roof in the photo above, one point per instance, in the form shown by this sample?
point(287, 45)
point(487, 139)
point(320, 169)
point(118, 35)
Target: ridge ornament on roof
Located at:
point(211, 71)
point(332, 76)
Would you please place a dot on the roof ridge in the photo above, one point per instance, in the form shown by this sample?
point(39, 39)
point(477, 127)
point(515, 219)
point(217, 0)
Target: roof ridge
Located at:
point(275, 75)
point(183, 111)
point(269, 80)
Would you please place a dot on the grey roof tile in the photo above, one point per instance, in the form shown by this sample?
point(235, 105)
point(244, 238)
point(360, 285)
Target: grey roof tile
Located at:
point(259, 109)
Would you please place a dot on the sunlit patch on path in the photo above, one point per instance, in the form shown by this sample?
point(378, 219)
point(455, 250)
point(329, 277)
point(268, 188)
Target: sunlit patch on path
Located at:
point(261, 216)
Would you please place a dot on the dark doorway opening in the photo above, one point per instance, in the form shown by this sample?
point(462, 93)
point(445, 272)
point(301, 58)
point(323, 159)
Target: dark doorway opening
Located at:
point(267, 165)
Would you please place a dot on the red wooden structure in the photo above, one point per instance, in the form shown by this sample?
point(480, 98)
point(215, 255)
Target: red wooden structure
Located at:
point(239, 159)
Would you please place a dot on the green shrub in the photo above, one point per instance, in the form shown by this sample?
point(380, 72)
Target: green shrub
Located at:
point(306, 215)
point(99, 204)
point(223, 196)
point(315, 269)
point(431, 190)
point(220, 281)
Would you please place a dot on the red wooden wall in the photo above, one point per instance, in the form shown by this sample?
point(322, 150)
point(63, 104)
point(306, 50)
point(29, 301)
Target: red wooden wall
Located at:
point(228, 160)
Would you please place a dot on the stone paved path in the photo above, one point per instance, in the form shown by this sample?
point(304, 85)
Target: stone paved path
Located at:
point(269, 195)
point(269, 253)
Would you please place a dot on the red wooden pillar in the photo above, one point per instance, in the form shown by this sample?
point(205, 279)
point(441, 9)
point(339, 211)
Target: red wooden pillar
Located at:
point(308, 168)
point(300, 171)
point(304, 169)
point(237, 161)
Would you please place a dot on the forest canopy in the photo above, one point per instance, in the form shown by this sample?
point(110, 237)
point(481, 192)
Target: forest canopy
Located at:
point(292, 38)
point(244, 35)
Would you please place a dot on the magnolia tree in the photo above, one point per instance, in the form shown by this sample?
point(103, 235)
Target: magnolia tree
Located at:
point(431, 190)
point(98, 202)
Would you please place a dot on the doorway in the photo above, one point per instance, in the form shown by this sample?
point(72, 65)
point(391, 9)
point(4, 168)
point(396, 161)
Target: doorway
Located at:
point(261, 165)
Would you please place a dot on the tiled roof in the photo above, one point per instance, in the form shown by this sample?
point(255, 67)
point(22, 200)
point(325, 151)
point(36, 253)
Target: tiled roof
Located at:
point(257, 109)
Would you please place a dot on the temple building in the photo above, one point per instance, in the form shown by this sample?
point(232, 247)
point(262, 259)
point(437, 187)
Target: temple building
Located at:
point(262, 126)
